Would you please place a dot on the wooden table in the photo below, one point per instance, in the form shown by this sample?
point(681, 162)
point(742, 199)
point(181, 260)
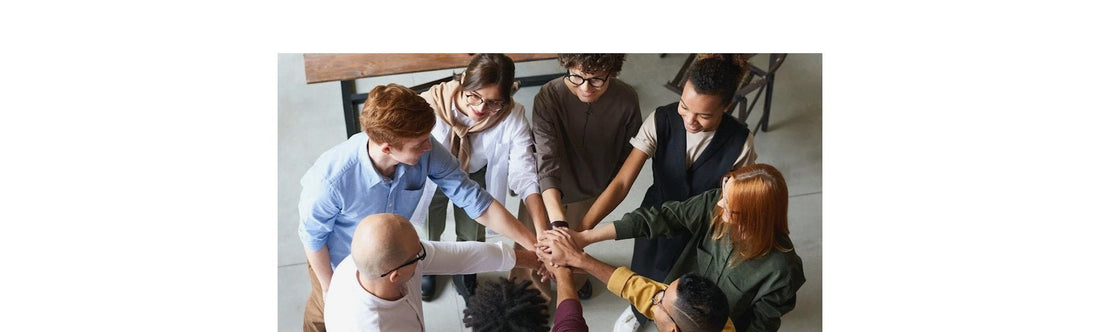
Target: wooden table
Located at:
point(346, 68)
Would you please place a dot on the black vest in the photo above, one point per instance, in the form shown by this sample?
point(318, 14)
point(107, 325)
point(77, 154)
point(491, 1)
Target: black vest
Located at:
point(672, 180)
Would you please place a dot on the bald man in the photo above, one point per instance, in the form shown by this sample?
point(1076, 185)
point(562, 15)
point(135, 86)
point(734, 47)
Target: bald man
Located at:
point(377, 288)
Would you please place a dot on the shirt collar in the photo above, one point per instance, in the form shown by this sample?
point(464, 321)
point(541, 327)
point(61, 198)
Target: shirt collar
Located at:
point(372, 175)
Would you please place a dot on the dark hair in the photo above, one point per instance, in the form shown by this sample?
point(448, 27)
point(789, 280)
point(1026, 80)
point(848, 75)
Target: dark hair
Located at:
point(718, 74)
point(591, 63)
point(393, 112)
point(506, 306)
point(702, 301)
point(488, 69)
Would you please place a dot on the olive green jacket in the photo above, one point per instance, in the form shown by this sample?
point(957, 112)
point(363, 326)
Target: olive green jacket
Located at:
point(759, 290)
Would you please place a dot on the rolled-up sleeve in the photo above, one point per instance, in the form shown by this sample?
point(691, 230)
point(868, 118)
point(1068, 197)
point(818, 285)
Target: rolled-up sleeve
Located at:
point(547, 144)
point(522, 173)
point(646, 139)
point(636, 289)
point(443, 169)
point(318, 206)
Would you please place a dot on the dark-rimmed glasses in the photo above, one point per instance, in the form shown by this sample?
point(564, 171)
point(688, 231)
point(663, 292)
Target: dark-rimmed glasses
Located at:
point(419, 257)
point(594, 82)
point(493, 106)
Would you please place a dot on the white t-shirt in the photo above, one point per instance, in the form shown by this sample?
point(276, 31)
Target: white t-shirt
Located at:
point(349, 307)
point(646, 141)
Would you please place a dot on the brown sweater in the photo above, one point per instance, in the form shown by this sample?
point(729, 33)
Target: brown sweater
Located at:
point(579, 147)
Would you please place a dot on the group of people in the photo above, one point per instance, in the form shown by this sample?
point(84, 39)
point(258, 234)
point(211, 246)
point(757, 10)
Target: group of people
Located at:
point(712, 251)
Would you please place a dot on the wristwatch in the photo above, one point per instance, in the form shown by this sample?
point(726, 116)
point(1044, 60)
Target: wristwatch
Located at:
point(559, 223)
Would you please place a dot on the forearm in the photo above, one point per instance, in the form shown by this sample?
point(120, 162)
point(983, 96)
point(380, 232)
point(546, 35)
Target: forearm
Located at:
point(617, 190)
point(608, 200)
point(527, 259)
point(321, 264)
point(602, 233)
point(499, 220)
point(552, 199)
point(595, 267)
point(566, 288)
point(537, 210)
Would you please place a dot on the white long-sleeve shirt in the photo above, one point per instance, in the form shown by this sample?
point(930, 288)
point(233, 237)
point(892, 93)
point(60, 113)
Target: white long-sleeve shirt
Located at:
point(507, 152)
point(349, 307)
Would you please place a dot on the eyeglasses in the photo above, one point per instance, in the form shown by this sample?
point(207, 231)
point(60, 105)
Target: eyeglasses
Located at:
point(657, 299)
point(660, 297)
point(594, 82)
point(419, 257)
point(474, 99)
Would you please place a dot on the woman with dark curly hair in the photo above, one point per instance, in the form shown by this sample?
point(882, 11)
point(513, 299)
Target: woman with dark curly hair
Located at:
point(693, 142)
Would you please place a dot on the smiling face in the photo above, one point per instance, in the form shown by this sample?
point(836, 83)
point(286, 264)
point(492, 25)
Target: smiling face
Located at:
point(586, 92)
point(491, 101)
point(700, 112)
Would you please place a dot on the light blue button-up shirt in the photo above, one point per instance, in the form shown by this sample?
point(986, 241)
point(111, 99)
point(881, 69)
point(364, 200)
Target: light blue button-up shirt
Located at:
point(343, 187)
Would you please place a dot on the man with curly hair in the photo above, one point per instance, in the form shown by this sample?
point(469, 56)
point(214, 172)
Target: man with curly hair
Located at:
point(377, 288)
point(582, 125)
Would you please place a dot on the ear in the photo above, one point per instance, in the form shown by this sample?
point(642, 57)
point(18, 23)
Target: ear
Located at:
point(385, 148)
point(394, 277)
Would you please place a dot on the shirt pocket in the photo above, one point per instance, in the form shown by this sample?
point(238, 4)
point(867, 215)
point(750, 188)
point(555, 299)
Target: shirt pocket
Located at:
point(406, 202)
point(739, 301)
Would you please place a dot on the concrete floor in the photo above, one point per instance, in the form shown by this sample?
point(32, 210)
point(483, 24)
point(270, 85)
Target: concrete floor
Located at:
point(311, 121)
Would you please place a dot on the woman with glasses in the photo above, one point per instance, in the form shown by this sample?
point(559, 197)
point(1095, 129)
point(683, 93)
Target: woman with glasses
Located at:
point(738, 238)
point(692, 142)
point(488, 133)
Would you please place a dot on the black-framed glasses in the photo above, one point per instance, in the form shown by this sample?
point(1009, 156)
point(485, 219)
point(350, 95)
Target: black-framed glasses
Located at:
point(595, 82)
point(419, 257)
point(474, 99)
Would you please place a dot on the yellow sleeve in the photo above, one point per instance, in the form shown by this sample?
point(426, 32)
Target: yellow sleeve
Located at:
point(729, 326)
point(637, 289)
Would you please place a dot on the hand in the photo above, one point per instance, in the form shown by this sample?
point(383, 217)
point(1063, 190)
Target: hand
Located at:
point(545, 268)
point(562, 249)
point(562, 272)
point(544, 273)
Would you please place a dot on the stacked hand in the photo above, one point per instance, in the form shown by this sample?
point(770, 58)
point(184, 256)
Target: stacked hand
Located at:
point(560, 247)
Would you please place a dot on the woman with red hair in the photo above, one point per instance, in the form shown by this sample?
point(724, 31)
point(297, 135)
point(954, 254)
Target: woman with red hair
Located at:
point(738, 239)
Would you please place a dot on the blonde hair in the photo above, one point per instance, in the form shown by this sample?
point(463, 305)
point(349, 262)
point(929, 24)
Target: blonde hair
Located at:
point(756, 202)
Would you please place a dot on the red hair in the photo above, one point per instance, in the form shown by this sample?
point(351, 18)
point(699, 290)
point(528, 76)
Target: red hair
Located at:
point(393, 113)
point(756, 203)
